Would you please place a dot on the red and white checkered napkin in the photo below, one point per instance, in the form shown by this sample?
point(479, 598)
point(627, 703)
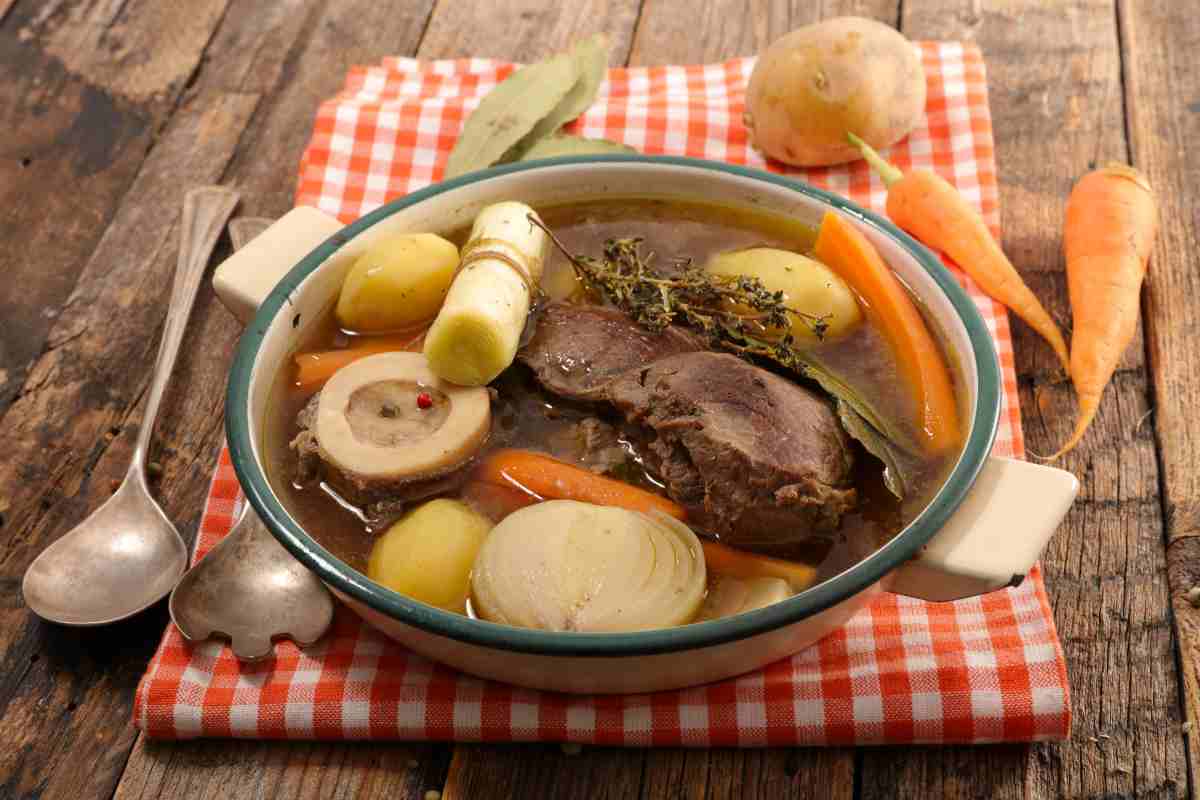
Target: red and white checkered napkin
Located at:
point(901, 671)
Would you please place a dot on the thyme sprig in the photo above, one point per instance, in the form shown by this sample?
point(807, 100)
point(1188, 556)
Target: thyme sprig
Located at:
point(735, 312)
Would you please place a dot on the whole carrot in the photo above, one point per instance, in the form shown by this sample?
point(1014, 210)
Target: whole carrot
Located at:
point(928, 207)
point(1112, 218)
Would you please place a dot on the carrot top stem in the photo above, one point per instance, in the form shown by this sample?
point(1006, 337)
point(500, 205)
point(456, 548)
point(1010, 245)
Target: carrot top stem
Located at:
point(1115, 169)
point(890, 173)
point(928, 206)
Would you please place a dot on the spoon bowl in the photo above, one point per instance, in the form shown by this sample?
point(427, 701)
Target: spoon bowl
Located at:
point(120, 560)
point(127, 555)
point(252, 591)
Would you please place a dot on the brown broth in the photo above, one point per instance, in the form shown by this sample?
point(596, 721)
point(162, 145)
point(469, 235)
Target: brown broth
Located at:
point(524, 416)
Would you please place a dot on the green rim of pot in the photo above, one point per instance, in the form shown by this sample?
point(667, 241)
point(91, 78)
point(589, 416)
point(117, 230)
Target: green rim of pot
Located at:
point(840, 587)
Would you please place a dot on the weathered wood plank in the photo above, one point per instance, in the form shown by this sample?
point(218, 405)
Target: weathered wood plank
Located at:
point(1057, 108)
point(526, 30)
point(750, 774)
point(325, 40)
point(224, 770)
point(720, 29)
point(88, 86)
point(551, 771)
point(534, 771)
point(1161, 90)
point(83, 388)
point(1099, 601)
point(59, 465)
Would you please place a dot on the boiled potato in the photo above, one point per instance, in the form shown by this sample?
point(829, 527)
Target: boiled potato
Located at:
point(816, 84)
point(807, 286)
point(398, 283)
point(428, 554)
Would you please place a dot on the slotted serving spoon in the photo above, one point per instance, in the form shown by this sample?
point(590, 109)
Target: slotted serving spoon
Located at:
point(126, 555)
point(248, 588)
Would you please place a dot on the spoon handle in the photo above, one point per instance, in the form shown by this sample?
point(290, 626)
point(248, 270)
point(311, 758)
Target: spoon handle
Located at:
point(243, 229)
point(205, 211)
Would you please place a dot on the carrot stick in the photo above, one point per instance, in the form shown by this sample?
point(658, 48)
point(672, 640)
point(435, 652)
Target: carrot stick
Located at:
point(550, 479)
point(850, 254)
point(1112, 218)
point(315, 367)
point(928, 207)
point(724, 560)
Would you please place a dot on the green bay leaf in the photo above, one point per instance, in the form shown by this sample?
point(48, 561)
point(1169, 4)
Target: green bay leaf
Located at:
point(900, 468)
point(566, 145)
point(510, 111)
point(591, 64)
point(828, 380)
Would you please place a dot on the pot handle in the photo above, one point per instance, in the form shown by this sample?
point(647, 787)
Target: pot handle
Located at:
point(244, 280)
point(995, 536)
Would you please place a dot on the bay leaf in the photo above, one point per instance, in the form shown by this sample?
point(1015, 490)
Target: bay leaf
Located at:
point(566, 145)
point(899, 468)
point(591, 64)
point(510, 111)
point(826, 378)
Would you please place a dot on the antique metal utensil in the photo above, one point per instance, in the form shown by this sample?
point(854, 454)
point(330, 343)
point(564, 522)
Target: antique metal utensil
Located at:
point(248, 588)
point(127, 555)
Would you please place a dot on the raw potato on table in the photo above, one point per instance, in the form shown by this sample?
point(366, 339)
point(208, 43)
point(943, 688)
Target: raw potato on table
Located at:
point(844, 75)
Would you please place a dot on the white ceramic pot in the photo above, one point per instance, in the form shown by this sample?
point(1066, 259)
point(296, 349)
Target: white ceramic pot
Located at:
point(982, 531)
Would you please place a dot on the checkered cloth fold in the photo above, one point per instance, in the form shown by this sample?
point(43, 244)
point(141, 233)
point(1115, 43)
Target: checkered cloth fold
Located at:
point(902, 670)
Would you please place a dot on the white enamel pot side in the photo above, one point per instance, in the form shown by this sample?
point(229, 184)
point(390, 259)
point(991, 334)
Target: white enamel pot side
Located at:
point(1006, 510)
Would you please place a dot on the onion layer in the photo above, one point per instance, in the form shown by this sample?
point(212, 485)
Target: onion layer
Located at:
point(563, 565)
point(730, 596)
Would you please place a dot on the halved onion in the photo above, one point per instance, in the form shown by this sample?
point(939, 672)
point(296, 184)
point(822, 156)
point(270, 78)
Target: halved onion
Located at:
point(563, 565)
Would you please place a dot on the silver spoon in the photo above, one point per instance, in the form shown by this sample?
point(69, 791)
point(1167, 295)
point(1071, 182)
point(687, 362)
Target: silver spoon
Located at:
point(127, 555)
point(249, 589)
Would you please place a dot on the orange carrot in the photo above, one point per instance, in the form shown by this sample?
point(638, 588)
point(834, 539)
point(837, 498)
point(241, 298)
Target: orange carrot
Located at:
point(315, 367)
point(550, 479)
point(846, 251)
point(724, 560)
point(928, 207)
point(1112, 219)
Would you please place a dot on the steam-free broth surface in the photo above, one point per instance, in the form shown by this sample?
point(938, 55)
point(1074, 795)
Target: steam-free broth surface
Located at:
point(526, 416)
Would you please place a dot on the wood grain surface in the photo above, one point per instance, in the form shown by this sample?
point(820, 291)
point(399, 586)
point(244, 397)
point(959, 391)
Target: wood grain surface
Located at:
point(1163, 121)
point(111, 107)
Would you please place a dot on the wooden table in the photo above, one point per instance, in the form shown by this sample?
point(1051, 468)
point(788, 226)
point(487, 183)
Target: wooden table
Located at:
point(111, 109)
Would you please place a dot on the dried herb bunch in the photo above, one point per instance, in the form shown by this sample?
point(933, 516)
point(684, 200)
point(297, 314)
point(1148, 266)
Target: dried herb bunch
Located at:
point(736, 313)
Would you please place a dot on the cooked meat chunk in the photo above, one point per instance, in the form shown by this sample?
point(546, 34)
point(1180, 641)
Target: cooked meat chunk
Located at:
point(599, 444)
point(308, 454)
point(591, 443)
point(753, 457)
point(577, 350)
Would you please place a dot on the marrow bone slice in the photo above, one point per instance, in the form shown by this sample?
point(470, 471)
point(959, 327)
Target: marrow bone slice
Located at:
point(371, 430)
